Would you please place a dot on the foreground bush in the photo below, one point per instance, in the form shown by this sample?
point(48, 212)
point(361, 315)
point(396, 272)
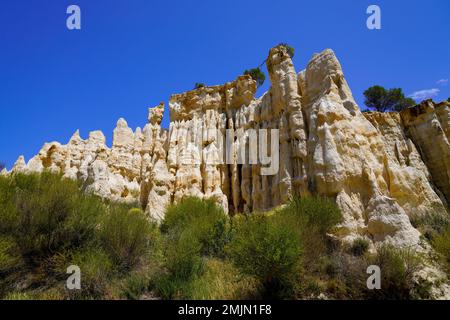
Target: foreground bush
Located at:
point(221, 280)
point(127, 236)
point(48, 224)
point(268, 249)
point(45, 214)
point(193, 229)
point(441, 244)
point(397, 277)
point(203, 219)
point(312, 218)
point(359, 247)
point(436, 229)
point(198, 252)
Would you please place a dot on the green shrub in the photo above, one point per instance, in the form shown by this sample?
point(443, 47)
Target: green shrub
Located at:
point(432, 224)
point(96, 269)
point(436, 229)
point(206, 221)
point(398, 267)
point(312, 218)
point(256, 75)
point(47, 214)
point(192, 229)
point(182, 255)
point(8, 254)
point(345, 275)
point(134, 286)
point(127, 236)
point(182, 263)
point(199, 85)
point(221, 281)
point(285, 248)
point(290, 50)
point(359, 247)
point(441, 243)
point(169, 287)
point(320, 214)
point(267, 248)
point(48, 224)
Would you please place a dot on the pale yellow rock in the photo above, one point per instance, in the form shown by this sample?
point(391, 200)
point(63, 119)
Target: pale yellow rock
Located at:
point(19, 165)
point(410, 182)
point(428, 125)
point(348, 160)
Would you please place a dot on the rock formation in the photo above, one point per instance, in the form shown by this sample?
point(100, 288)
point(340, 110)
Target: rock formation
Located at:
point(380, 168)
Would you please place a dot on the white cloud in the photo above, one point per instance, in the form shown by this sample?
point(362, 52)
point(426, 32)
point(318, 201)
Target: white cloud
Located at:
point(424, 94)
point(442, 82)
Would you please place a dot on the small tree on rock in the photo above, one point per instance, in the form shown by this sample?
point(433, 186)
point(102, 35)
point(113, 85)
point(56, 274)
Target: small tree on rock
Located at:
point(290, 50)
point(199, 85)
point(256, 75)
point(382, 100)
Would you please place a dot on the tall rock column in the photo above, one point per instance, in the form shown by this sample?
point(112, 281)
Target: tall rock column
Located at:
point(347, 159)
point(286, 106)
point(157, 181)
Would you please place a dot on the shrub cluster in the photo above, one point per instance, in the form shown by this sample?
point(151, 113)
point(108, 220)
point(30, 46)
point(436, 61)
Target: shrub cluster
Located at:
point(193, 230)
point(48, 224)
point(256, 75)
point(268, 249)
point(436, 229)
point(197, 252)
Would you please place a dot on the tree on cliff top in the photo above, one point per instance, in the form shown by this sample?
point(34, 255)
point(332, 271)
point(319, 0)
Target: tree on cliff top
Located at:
point(256, 75)
point(448, 100)
point(383, 100)
point(199, 85)
point(290, 50)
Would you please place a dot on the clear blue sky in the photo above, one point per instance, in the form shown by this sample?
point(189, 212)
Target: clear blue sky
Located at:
point(132, 54)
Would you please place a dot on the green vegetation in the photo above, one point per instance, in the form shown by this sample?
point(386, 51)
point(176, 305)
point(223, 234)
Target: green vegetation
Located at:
point(382, 100)
point(203, 220)
point(290, 50)
point(193, 230)
point(441, 244)
point(359, 247)
point(199, 85)
point(48, 225)
point(256, 75)
point(435, 227)
point(448, 100)
point(197, 252)
point(268, 249)
point(397, 277)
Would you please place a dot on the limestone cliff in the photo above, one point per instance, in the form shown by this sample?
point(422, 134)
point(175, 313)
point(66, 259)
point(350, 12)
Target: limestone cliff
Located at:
point(380, 168)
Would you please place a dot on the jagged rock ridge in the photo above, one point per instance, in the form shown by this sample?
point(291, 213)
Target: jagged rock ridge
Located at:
point(380, 168)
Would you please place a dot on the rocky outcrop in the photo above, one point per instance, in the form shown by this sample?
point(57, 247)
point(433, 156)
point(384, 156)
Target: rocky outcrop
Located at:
point(223, 143)
point(428, 124)
point(410, 181)
point(349, 161)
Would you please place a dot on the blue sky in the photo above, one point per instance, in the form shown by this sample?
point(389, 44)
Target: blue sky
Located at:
point(132, 54)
